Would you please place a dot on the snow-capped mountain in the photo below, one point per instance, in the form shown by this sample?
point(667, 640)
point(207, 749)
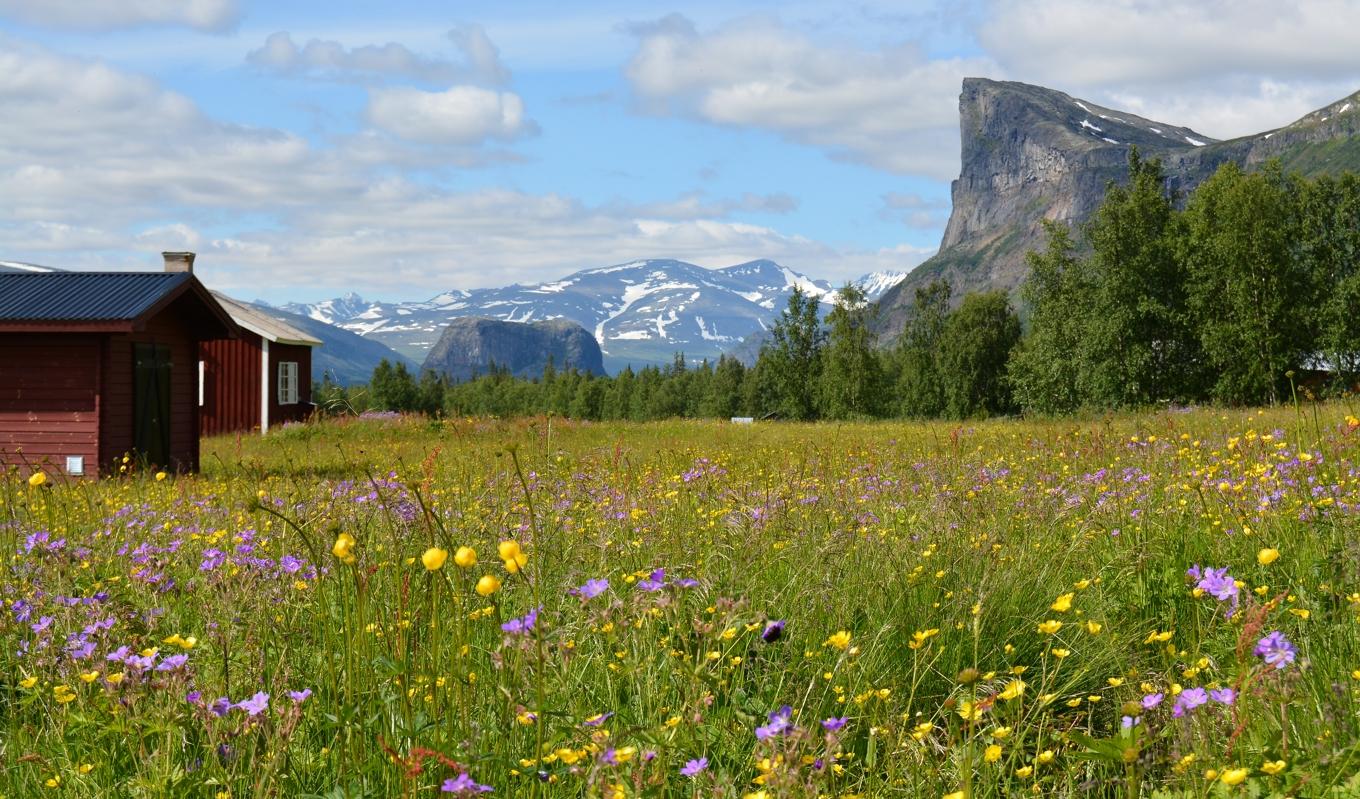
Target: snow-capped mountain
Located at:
point(642, 312)
point(875, 283)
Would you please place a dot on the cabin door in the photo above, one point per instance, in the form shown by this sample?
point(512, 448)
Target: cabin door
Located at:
point(151, 403)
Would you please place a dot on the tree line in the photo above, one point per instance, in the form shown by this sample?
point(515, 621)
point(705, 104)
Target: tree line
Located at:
point(1221, 298)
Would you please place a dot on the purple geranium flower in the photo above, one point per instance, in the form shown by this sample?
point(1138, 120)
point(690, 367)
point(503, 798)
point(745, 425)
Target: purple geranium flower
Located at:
point(694, 767)
point(172, 662)
point(464, 785)
point(119, 655)
point(220, 706)
point(1128, 722)
point(597, 720)
point(1276, 650)
point(290, 564)
point(654, 582)
point(780, 722)
point(255, 705)
point(522, 625)
point(1218, 584)
point(299, 697)
point(591, 589)
point(1188, 700)
point(1223, 696)
point(833, 724)
point(1152, 700)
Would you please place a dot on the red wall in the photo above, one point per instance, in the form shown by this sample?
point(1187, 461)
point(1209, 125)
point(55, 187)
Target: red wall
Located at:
point(116, 421)
point(279, 414)
point(231, 384)
point(49, 403)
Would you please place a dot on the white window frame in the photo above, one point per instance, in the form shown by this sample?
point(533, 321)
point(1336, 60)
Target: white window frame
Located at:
point(288, 383)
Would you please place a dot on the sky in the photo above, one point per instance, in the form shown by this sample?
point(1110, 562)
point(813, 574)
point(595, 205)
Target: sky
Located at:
point(400, 149)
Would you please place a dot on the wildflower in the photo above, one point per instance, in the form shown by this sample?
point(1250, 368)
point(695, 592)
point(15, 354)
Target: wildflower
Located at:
point(1045, 757)
point(780, 722)
point(463, 785)
point(992, 753)
point(344, 547)
point(919, 638)
point(838, 640)
point(161, 476)
point(465, 557)
point(1152, 700)
point(37, 479)
point(774, 630)
point(1188, 700)
point(1050, 627)
point(1128, 722)
point(598, 719)
point(522, 625)
point(1013, 690)
point(1234, 776)
point(1273, 768)
point(512, 556)
point(654, 582)
point(299, 697)
point(1276, 650)
point(834, 724)
point(954, 795)
point(255, 705)
point(1093, 627)
point(694, 767)
point(591, 589)
point(1223, 696)
point(114, 679)
point(1059, 653)
point(434, 558)
point(1218, 584)
point(172, 662)
point(1063, 603)
point(1024, 771)
point(1267, 556)
point(488, 585)
point(63, 694)
point(28, 682)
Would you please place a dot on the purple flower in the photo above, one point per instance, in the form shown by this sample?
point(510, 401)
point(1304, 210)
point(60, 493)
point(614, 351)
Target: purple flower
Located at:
point(299, 697)
point(220, 706)
point(1218, 584)
point(686, 582)
point(833, 724)
point(1128, 722)
point(1223, 696)
point(172, 662)
point(194, 697)
point(654, 582)
point(591, 589)
point(1152, 700)
point(1188, 700)
point(141, 662)
point(774, 630)
point(694, 767)
point(42, 624)
point(780, 722)
point(598, 719)
point(1276, 650)
point(522, 625)
point(290, 564)
point(119, 655)
point(255, 705)
point(463, 784)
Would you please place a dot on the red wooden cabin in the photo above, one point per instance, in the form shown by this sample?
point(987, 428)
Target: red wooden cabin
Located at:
point(260, 379)
point(98, 365)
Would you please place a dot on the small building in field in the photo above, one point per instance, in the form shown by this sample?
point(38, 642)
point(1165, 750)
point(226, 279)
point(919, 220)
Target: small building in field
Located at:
point(98, 365)
point(258, 380)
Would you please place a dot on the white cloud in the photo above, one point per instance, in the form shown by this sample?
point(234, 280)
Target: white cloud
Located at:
point(1226, 67)
point(204, 15)
point(459, 115)
point(892, 108)
point(480, 62)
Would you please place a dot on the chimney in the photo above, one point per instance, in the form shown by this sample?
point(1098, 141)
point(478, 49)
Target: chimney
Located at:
point(179, 261)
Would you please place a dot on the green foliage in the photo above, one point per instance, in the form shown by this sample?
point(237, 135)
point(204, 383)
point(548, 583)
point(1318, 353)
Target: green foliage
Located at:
point(852, 375)
point(792, 359)
point(975, 347)
point(920, 388)
point(1044, 371)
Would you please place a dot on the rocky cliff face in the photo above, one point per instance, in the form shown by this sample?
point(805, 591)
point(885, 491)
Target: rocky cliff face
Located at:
point(469, 347)
point(1031, 153)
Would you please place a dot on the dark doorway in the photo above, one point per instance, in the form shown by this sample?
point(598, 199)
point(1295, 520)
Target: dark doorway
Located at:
point(151, 403)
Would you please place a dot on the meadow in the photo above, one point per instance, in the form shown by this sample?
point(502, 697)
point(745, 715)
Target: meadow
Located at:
point(1158, 605)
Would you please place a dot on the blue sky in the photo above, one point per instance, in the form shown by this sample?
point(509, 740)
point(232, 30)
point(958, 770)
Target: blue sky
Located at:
point(308, 149)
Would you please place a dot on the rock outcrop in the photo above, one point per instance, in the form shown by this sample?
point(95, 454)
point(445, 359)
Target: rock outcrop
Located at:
point(1031, 153)
point(471, 346)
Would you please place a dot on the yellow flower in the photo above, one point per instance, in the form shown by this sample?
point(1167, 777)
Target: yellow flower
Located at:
point(1302, 613)
point(1050, 627)
point(488, 585)
point(1234, 776)
point(954, 795)
point(160, 476)
point(1267, 556)
point(1273, 768)
point(89, 676)
point(37, 478)
point(28, 682)
point(1045, 757)
point(1059, 653)
point(114, 679)
point(53, 782)
point(85, 768)
point(511, 554)
point(344, 547)
point(1013, 690)
point(919, 638)
point(1158, 637)
point(62, 694)
point(1093, 627)
point(434, 558)
point(992, 753)
point(465, 557)
point(1063, 603)
point(839, 640)
point(969, 711)
point(1001, 733)
point(1024, 771)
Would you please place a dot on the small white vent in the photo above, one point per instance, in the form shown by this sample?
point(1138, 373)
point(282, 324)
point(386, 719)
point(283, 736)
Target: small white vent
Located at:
point(75, 464)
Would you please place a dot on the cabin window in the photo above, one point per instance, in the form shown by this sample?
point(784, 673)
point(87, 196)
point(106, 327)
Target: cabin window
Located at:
point(288, 382)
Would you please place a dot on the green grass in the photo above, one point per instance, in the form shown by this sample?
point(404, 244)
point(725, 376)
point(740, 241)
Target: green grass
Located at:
point(939, 550)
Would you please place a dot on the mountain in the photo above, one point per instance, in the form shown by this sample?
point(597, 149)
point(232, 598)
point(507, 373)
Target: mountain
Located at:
point(1031, 153)
point(470, 346)
point(344, 356)
point(20, 266)
point(640, 313)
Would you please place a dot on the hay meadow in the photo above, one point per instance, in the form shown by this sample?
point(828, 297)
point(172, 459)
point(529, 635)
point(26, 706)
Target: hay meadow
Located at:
point(1157, 605)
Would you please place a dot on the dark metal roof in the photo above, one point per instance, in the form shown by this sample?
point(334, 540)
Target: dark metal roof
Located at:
point(84, 296)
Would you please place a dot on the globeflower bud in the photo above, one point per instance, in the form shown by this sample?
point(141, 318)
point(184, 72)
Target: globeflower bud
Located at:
point(488, 585)
point(465, 557)
point(434, 558)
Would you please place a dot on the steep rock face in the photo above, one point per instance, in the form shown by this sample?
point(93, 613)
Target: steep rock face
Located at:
point(1030, 153)
point(469, 347)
